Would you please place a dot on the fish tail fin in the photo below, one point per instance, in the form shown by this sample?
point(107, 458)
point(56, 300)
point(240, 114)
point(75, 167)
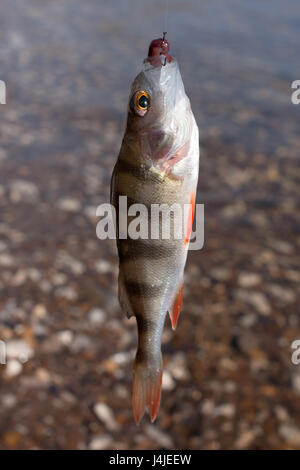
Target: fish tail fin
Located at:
point(146, 389)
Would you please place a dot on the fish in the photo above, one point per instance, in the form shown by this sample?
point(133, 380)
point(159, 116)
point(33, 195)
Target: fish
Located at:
point(157, 165)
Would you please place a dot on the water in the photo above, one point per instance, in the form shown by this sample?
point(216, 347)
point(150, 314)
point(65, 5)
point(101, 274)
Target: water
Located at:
point(99, 45)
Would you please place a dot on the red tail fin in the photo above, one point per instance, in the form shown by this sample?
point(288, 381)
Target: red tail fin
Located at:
point(176, 308)
point(146, 390)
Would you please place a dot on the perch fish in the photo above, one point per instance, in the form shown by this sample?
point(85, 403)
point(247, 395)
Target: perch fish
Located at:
point(157, 164)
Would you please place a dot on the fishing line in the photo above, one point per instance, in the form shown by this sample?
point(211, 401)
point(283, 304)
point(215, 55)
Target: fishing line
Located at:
point(166, 15)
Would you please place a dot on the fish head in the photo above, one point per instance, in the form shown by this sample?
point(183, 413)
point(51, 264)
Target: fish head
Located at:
point(159, 111)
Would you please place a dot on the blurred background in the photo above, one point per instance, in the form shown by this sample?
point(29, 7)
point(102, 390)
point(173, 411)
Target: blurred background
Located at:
point(229, 381)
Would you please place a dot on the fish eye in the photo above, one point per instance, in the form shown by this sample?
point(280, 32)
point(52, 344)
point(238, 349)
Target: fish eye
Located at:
point(143, 102)
point(140, 103)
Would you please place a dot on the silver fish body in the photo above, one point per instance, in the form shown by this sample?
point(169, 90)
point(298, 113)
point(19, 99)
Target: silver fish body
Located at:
point(157, 164)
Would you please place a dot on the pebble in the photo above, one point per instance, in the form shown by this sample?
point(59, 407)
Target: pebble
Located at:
point(283, 247)
point(283, 294)
point(103, 266)
point(59, 279)
point(34, 274)
point(248, 320)
point(40, 331)
point(256, 299)
point(19, 278)
point(65, 337)
point(45, 286)
point(249, 279)
point(221, 274)
point(207, 407)
point(81, 343)
point(67, 292)
point(281, 413)
point(9, 400)
point(290, 433)
point(293, 275)
point(69, 205)
point(227, 364)
point(43, 375)
point(90, 212)
point(121, 358)
point(105, 414)
point(167, 381)
point(245, 440)
point(100, 442)
point(65, 260)
point(39, 311)
point(23, 190)
point(226, 410)
point(6, 260)
point(230, 387)
point(160, 437)
point(13, 368)
point(96, 316)
point(19, 349)
point(259, 364)
point(177, 367)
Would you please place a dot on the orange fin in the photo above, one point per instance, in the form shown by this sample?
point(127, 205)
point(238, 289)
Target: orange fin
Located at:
point(146, 391)
point(176, 308)
point(190, 218)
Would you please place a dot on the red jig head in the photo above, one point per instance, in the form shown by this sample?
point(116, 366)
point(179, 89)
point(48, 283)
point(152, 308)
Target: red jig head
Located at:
point(157, 48)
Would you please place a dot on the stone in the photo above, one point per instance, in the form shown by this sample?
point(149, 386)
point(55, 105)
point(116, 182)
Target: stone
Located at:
point(69, 205)
point(23, 191)
point(13, 368)
point(290, 433)
point(160, 437)
point(96, 316)
point(101, 442)
point(105, 414)
point(246, 279)
point(19, 349)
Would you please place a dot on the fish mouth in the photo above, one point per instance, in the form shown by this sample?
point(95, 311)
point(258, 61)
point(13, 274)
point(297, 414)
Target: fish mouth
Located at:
point(158, 54)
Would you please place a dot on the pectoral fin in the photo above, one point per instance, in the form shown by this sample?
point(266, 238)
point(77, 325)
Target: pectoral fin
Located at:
point(123, 298)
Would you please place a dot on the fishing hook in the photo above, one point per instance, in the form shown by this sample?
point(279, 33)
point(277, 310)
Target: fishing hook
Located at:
point(163, 38)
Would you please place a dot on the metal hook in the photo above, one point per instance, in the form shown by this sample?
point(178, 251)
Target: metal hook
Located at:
point(163, 38)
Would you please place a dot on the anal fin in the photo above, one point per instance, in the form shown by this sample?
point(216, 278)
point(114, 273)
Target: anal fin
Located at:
point(176, 307)
point(190, 218)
